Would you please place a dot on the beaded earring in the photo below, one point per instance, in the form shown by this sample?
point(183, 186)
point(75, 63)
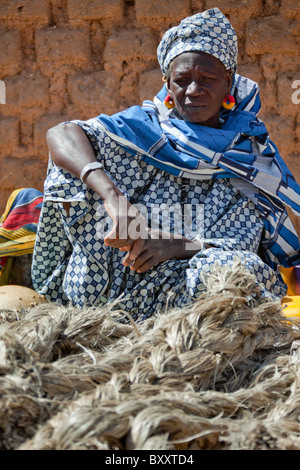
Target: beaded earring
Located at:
point(169, 102)
point(228, 102)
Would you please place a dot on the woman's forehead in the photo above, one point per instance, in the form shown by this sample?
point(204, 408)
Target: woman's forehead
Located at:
point(197, 60)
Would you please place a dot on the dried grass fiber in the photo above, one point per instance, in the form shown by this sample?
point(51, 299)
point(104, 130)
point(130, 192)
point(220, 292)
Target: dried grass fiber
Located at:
point(223, 373)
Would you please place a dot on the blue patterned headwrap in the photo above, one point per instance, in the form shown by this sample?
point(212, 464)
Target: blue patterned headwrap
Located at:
point(209, 32)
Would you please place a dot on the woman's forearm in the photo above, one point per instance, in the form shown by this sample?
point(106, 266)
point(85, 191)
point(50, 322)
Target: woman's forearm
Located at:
point(71, 150)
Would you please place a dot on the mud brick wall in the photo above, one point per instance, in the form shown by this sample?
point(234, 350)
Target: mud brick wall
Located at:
point(73, 59)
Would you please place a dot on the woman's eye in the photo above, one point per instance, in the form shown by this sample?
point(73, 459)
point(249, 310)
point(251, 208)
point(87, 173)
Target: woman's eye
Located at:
point(182, 81)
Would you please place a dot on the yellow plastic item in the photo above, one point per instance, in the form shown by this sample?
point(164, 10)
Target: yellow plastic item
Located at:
point(290, 303)
point(291, 306)
point(288, 276)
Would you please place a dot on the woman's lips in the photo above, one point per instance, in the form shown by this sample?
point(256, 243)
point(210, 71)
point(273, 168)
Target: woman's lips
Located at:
point(195, 105)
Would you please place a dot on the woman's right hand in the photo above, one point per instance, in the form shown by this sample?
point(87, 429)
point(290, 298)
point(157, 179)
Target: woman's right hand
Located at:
point(70, 149)
point(129, 225)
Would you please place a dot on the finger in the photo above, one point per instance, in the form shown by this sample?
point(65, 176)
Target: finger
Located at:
point(142, 263)
point(133, 252)
point(113, 240)
point(118, 231)
point(111, 236)
point(126, 261)
point(137, 249)
point(147, 265)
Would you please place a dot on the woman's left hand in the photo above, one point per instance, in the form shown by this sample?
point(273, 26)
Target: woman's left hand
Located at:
point(158, 247)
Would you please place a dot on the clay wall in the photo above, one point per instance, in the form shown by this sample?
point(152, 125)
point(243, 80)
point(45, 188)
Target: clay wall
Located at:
point(73, 59)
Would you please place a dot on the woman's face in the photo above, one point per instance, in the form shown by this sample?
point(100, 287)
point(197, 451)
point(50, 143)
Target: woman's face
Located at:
point(198, 84)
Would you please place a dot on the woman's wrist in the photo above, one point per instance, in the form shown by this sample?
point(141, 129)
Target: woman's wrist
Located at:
point(177, 246)
point(188, 248)
point(100, 182)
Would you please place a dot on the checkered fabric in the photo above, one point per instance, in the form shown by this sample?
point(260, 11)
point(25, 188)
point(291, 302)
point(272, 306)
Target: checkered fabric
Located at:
point(72, 264)
point(209, 32)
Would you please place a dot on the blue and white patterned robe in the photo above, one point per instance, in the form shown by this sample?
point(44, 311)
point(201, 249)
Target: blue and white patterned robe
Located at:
point(72, 264)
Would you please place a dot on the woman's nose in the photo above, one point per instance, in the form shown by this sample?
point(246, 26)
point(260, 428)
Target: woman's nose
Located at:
point(194, 88)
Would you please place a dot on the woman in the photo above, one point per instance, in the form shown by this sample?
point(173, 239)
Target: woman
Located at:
point(185, 181)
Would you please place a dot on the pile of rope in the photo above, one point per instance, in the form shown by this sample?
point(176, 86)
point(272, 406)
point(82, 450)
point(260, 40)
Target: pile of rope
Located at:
point(223, 373)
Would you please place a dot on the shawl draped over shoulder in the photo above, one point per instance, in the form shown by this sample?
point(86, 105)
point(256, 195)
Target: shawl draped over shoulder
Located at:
point(240, 149)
